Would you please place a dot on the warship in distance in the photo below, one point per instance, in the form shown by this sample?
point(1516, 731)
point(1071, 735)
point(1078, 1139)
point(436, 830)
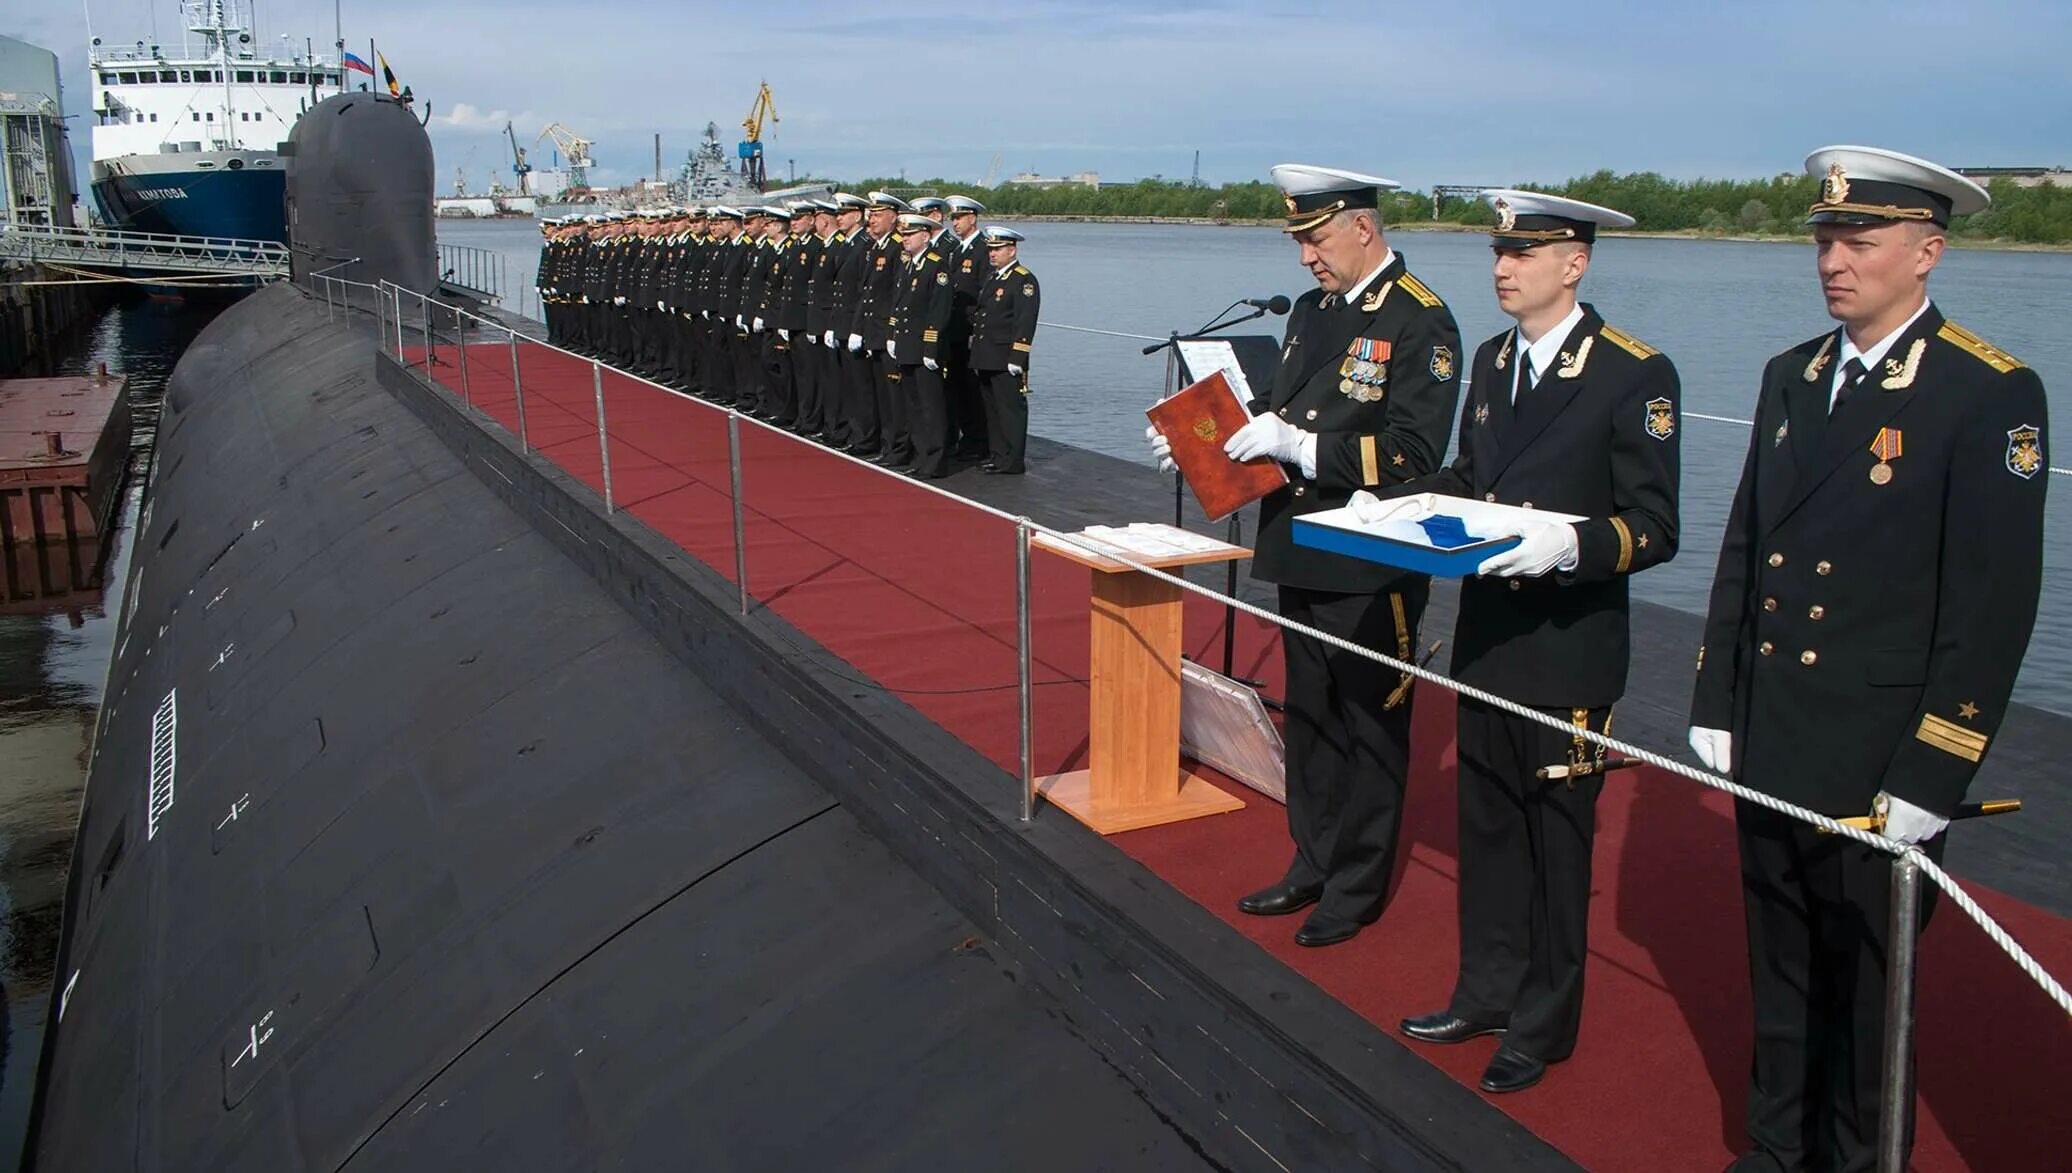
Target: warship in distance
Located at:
point(186, 139)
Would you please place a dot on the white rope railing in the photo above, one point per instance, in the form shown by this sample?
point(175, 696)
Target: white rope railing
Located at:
point(2022, 958)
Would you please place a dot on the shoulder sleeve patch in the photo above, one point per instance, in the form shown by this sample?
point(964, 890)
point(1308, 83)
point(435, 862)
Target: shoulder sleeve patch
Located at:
point(1978, 348)
point(1627, 342)
point(1417, 289)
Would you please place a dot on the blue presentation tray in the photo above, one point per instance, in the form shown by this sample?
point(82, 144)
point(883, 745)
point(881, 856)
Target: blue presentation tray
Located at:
point(1340, 532)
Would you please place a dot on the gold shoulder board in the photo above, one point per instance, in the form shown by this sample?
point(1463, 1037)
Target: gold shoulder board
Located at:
point(1627, 342)
point(1415, 288)
point(1978, 348)
point(934, 256)
point(1020, 272)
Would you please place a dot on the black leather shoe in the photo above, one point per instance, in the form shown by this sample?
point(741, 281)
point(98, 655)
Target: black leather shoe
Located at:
point(1511, 1071)
point(1444, 1027)
point(1279, 900)
point(1321, 930)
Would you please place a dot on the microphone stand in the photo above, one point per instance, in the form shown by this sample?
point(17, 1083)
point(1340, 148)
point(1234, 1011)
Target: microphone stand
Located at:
point(1236, 530)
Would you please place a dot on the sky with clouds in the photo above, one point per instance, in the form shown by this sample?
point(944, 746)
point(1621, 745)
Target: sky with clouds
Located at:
point(1498, 92)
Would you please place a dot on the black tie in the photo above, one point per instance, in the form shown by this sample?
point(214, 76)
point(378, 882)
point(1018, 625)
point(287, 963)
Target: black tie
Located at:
point(1526, 376)
point(1853, 372)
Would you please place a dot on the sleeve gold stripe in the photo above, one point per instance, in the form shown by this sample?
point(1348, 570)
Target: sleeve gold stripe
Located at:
point(1951, 739)
point(1021, 346)
point(1978, 348)
point(1370, 462)
point(1625, 545)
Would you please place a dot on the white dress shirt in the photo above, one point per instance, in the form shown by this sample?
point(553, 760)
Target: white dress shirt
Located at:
point(1543, 353)
point(1870, 357)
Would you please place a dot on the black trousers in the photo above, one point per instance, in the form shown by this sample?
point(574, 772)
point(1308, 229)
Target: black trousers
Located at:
point(1348, 744)
point(894, 441)
point(1525, 876)
point(808, 362)
point(777, 401)
point(928, 421)
point(863, 432)
point(1819, 922)
point(1007, 419)
point(970, 415)
point(748, 369)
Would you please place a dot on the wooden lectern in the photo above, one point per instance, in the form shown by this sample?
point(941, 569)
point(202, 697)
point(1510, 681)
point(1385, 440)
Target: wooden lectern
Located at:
point(1133, 721)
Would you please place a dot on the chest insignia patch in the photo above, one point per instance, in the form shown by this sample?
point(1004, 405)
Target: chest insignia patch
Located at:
point(1661, 419)
point(1481, 414)
point(2025, 450)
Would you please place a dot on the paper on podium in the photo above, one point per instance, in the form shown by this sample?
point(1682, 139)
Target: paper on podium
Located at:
point(1206, 356)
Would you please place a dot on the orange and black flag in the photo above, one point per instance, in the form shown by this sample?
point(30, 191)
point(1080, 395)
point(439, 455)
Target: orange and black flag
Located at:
point(388, 76)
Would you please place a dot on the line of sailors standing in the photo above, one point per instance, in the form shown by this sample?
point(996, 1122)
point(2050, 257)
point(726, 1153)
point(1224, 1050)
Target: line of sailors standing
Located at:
point(897, 332)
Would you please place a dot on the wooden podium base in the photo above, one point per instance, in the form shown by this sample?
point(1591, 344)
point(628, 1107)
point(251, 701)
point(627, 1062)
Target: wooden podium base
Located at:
point(1192, 798)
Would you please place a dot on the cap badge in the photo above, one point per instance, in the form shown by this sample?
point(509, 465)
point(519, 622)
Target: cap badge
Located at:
point(1835, 188)
point(1506, 218)
point(1290, 201)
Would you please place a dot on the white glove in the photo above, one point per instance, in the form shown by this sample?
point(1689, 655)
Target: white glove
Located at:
point(828, 339)
point(892, 350)
point(618, 301)
point(1373, 510)
point(757, 325)
point(1161, 449)
point(1544, 545)
point(659, 305)
point(1714, 747)
point(740, 323)
point(783, 335)
point(1907, 824)
point(706, 314)
point(1013, 369)
point(855, 343)
point(931, 364)
point(1268, 435)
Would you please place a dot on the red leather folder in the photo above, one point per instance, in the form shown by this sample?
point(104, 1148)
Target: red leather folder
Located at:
point(1198, 421)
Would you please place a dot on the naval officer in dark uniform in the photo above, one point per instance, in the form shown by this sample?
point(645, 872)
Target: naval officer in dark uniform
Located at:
point(1368, 384)
point(1570, 414)
point(1003, 337)
point(1876, 587)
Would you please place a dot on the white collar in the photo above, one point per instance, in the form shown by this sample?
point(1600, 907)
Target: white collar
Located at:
point(1871, 356)
point(1544, 351)
point(1388, 257)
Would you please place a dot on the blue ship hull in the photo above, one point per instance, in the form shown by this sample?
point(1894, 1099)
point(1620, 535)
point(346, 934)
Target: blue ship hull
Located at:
point(249, 204)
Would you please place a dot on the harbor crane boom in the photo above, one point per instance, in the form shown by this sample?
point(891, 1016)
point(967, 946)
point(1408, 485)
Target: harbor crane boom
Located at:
point(752, 147)
point(575, 154)
point(519, 167)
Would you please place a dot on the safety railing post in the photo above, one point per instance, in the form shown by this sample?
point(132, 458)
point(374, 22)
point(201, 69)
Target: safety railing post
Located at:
point(460, 344)
point(380, 321)
point(1024, 656)
point(518, 389)
point(425, 304)
point(327, 299)
point(1904, 934)
point(734, 480)
point(604, 448)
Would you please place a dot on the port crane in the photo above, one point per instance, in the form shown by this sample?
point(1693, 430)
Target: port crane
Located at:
point(752, 146)
point(575, 154)
point(519, 167)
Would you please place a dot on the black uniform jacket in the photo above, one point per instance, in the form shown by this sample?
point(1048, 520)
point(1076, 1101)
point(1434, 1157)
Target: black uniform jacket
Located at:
point(1866, 626)
point(1003, 326)
point(877, 288)
point(1378, 380)
point(920, 312)
point(1597, 437)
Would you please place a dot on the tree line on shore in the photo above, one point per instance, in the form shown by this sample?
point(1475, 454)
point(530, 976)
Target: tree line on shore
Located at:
point(1722, 207)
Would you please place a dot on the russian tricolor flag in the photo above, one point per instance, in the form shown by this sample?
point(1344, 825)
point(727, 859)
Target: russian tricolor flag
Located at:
point(352, 62)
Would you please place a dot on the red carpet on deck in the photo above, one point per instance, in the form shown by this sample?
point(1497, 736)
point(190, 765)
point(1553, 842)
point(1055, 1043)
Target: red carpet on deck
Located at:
point(917, 593)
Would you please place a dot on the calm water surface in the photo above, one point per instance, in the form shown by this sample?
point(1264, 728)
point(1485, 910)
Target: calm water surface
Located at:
point(53, 666)
point(1720, 309)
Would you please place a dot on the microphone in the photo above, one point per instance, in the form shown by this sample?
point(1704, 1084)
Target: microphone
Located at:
point(1277, 304)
